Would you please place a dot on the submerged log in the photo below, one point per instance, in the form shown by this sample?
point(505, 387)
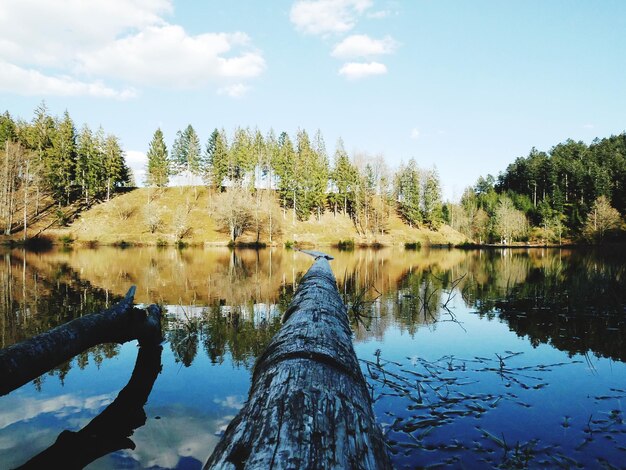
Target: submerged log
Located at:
point(25, 361)
point(308, 406)
point(110, 431)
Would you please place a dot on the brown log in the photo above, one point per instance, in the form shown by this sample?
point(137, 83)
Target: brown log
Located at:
point(110, 431)
point(23, 362)
point(308, 405)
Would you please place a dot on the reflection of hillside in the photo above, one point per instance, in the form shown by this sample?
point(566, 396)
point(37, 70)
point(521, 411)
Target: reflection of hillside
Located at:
point(242, 294)
point(196, 276)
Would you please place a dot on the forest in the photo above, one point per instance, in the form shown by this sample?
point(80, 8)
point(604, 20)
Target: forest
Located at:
point(575, 191)
point(48, 164)
point(572, 192)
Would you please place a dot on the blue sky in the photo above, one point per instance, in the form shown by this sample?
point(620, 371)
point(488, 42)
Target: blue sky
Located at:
point(466, 86)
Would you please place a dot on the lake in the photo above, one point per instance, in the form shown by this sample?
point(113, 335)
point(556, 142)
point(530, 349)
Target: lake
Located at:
point(506, 358)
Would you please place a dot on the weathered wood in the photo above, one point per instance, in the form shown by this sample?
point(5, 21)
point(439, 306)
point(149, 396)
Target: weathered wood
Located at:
point(111, 429)
point(22, 362)
point(308, 406)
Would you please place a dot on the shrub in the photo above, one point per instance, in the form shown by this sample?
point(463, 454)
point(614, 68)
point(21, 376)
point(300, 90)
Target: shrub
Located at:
point(345, 245)
point(412, 246)
point(66, 240)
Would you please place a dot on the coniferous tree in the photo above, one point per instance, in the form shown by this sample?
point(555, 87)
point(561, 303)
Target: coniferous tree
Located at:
point(88, 163)
point(318, 181)
point(185, 154)
point(39, 137)
point(216, 159)
point(158, 167)
point(241, 156)
point(115, 171)
point(62, 157)
point(344, 177)
point(305, 160)
point(286, 171)
point(408, 193)
point(432, 205)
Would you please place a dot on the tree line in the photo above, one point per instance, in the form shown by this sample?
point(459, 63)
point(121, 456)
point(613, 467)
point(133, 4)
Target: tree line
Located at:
point(47, 162)
point(574, 190)
point(300, 175)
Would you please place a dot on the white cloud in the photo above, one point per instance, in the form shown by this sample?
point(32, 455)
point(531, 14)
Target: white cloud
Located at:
point(166, 56)
point(356, 70)
point(361, 45)
point(71, 47)
point(32, 82)
point(588, 126)
point(415, 133)
point(322, 17)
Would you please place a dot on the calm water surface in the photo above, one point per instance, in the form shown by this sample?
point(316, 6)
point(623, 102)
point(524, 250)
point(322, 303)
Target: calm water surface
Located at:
point(499, 359)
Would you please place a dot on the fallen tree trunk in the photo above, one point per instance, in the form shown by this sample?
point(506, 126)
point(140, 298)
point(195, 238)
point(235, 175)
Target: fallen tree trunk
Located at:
point(111, 429)
point(23, 362)
point(308, 406)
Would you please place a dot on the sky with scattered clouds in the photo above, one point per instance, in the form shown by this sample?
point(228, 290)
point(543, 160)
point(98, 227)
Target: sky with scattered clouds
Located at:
point(463, 86)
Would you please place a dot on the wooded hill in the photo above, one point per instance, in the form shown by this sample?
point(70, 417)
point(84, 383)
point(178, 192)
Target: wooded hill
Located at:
point(190, 215)
point(257, 182)
point(574, 191)
point(47, 164)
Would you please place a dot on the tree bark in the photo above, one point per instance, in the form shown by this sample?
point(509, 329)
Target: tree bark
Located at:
point(27, 360)
point(308, 406)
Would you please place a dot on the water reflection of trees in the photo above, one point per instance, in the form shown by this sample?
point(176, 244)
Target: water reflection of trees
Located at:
point(578, 306)
point(571, 299)
point(33, 301)
point(221, 331)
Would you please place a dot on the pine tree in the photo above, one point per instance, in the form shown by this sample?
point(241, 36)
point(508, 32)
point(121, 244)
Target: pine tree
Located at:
point(432, 205)
point(241, 156)
point(89, 163)
point(216, 155)
point(408, 193)
point(305, 161)
point(286, 171)
point(115, 173)
point(344, 178)
point(40, 140)
point(62, 157)
point(319, 176)
point(158, 167)
point(186, 152)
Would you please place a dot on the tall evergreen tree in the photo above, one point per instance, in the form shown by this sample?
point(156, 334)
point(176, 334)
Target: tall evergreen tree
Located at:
point(286, 171)
point(88, 163)
point(432, 204)
point(344, 177)
point(241, 156)
point(186, 152)
point(409, 193)
point(320, 174)
point(62, 160)
point(115, 171)
point(158, 167)
point(216, 157)
point(40, 140)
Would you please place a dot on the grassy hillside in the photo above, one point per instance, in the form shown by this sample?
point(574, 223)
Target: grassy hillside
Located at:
point(151, 217)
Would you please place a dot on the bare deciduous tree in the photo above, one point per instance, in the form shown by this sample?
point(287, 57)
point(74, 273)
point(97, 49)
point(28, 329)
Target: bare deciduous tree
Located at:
point(233, 211)
point(602, 218)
